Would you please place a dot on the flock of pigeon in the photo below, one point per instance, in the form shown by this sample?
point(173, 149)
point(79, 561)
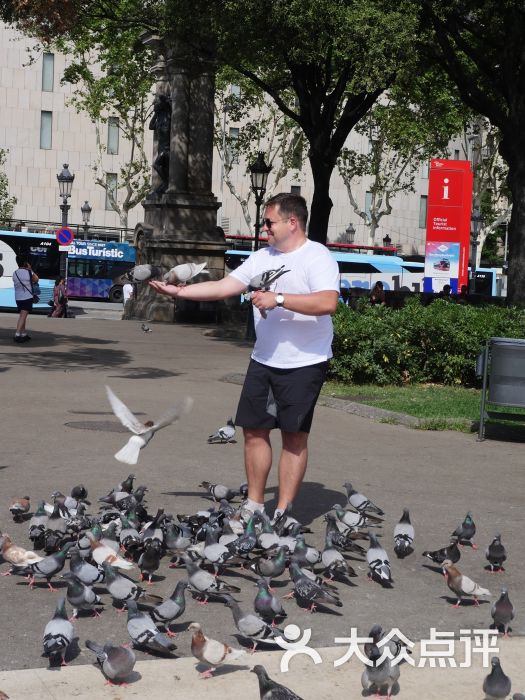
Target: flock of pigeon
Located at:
point(103, 547)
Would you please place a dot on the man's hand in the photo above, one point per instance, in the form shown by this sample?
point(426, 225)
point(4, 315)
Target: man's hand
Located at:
point(264, 301)
point(170, 290)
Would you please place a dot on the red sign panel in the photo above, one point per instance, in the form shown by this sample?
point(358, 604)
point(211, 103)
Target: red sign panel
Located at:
point(449, 210)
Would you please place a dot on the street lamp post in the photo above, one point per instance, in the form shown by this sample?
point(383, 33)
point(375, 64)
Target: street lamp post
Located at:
point(65, 184)
point(476, 219)
point(387, 241)
point(86, 215)
point(350, 234)
point(259, 172)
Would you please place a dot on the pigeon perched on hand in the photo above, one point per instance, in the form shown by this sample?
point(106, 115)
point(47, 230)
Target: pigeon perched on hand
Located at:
point(181, 274)
point(58, 634)
point(496, 554)
point(143, 432)
point(223, 435)
point(404, 536)
point(210, 651)
point(496, 685)
point(116, 662)
point(502, 612)
point(462, 585)
point(144, 632)
point(271, 690)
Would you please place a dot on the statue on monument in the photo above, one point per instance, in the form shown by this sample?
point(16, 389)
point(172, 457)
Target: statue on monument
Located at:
point(161, 124)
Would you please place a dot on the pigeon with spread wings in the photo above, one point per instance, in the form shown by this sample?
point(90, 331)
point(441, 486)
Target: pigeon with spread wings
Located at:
point(142, 432)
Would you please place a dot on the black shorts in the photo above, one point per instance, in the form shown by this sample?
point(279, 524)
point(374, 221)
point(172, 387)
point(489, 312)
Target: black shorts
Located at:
point(24, 304)
point(280, 398)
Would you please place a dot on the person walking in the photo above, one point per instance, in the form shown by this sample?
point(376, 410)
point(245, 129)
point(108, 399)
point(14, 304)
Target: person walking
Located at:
point(23, 280)
point(294, 334)
point(127, 292)
point(59, 299)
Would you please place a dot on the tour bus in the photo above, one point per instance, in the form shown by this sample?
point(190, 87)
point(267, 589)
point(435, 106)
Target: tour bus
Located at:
point(363, 271)
point(95, 269)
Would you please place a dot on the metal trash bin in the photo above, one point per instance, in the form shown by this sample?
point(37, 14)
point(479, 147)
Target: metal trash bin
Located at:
point(502, 366)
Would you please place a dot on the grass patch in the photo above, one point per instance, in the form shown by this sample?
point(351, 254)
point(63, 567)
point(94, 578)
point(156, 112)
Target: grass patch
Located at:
point(438, 407)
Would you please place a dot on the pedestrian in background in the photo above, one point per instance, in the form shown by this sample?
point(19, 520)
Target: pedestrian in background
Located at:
point(377, 295)
point(127, 292)
point(59, 298)
point(23, 279)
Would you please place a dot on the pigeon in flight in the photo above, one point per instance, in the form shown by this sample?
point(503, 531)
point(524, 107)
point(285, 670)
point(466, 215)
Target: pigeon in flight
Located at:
point(224, 434)
point(142, 432)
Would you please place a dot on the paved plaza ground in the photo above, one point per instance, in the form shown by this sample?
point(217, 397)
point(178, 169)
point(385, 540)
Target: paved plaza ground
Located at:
point(57, 430)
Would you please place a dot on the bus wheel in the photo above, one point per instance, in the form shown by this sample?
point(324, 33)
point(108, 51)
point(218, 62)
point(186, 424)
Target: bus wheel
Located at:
point(115, 294)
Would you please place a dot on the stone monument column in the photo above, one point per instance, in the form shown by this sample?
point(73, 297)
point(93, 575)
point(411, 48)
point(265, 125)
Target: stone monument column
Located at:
point(181, 210)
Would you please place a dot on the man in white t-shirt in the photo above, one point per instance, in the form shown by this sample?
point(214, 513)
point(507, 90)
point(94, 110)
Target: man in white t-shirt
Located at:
point(127, 292)
point(294, 336)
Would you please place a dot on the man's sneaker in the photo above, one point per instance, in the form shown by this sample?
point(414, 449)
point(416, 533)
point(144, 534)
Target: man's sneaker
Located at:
point(246, 511)
point(25, 338)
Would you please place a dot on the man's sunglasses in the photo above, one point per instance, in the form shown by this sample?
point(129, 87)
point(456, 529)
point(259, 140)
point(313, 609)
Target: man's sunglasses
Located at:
point(268, 222)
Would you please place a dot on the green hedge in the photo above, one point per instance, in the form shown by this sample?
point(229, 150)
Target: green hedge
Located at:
point(435, 343)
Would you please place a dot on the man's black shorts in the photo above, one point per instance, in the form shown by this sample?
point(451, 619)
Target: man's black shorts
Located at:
point(280, 398)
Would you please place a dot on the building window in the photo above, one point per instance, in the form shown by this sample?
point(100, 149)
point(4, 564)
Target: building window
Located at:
point(296, 152)
point(295, 189)
point(456, 154)
point(46, 123)
point(423, 211)
point(424, 169)
point(368, 204)
point(233, 147)
point(113, 136)
point(111, 189)
point(235, 91)
point(48, 70)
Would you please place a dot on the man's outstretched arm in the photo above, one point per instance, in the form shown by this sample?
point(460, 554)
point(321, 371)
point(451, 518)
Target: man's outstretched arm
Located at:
point(203, 291)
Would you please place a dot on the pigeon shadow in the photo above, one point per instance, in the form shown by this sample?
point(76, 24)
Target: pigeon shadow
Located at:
point(319, 607)
point(465, 602)
point(313, 501)
point(496, 570)
point(223, 670)
point(435, 569)
point(145, 373)
point(246, 642)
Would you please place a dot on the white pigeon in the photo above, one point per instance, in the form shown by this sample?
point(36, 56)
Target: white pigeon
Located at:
point(224, 434)
point(180, 274)
point(142, 432)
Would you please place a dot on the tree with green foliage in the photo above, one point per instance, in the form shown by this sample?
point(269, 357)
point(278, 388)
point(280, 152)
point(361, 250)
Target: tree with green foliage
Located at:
point(411, 124)
point(480, 45)
point(336, 57)
point(7, 202)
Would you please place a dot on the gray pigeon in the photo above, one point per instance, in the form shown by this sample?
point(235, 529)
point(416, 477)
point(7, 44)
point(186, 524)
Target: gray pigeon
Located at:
point(204, 582)
point(360, 502)
point(496, 554)
point(58, 634)
point(352, 520)
point(270, 565)
point(85, 571)
point(333, 561)
point(502, 612)
point(404, 536)
point(47, 568)
point(496, 685)
point(142, 273)
point(38, 524)
point(378, 562)
point(183, 273)
point(267, 605)
point(466, 531)
point(377, 676)
point(144, 632)
point(80, 596)
point(223, 435)
point(270, 690)
point(452, 553)
point(219, 492)
point(171, 608)
point(144, 327)
point(122, 589)
point(116, 662)
point(251, 625)
point(310, 591)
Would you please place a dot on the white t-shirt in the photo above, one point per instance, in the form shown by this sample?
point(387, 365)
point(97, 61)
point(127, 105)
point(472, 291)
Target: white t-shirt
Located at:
point(21, 292)
point(287, 339)
point(127, 292)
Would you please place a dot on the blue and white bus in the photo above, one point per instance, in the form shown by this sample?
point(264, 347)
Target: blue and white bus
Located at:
point(95, 268)
point(358, 270)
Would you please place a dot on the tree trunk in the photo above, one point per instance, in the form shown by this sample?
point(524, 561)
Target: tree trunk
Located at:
point(321, 202)
point(516, 253)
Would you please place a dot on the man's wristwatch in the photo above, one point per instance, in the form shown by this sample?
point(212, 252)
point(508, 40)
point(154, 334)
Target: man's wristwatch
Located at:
point(279, 299)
